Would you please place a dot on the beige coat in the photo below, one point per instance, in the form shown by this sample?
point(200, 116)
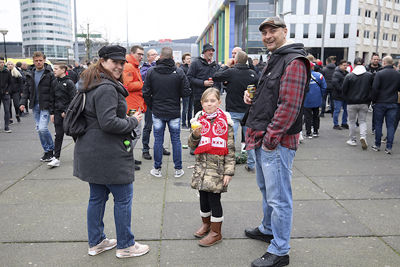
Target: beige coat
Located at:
point(209, 170)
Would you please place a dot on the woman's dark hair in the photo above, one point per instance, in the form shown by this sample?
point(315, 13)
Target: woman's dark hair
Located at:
point(93, 74)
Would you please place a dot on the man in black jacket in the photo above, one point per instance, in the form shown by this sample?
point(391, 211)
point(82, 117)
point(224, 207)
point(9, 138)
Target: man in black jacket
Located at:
point(337, 95)
point(5, 85)
point(200, 75)
point(328, 71)
point(163, 89)
point(187, 102)
point(356, 92)
point(238, 77)
point(385, 90)
point(37, 89)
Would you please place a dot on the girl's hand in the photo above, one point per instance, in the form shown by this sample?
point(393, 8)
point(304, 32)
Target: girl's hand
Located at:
point(227, 179)
point(197, 132)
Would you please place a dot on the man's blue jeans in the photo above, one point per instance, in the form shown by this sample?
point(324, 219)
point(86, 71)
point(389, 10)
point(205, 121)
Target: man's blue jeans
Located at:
point(42, 118)
point(148, 123)
point(175, 133)
point(274, 175)
point(337, 107)
point(187, 110)
point(388, 112)
point(122, 213)
point(237, 118)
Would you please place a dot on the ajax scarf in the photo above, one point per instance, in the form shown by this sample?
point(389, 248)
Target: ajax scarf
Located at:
point(214, 137)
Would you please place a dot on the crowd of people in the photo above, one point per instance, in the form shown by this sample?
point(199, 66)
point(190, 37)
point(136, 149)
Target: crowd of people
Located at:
point(126, 99)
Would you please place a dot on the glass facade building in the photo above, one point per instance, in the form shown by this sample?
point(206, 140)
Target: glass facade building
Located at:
point(47, 26)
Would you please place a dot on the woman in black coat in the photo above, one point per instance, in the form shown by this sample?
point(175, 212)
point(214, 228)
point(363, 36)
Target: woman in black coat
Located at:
point(103, 156)
point(15, 89)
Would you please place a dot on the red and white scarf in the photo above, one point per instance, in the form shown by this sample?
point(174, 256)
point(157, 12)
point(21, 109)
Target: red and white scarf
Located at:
point(214, 137)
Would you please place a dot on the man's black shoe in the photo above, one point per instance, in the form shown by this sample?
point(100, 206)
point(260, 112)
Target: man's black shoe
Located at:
point(345, 126)
point(137, 168)
point(166, 152)
point(271, 260)
point(137, 162)
point(255, 233)
point(146, 155)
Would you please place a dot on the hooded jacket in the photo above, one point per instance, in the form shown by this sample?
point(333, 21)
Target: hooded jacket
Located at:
point(164, 87)
point(44, 86)
point(100, 155)
point(328, 71)
point(386, 86)
point(133, 83)
point(5, 81)
point(357, 86)
point(146, 66)
point(238, 78)
point(198, 72)
point(314, 96)
point(61, 94)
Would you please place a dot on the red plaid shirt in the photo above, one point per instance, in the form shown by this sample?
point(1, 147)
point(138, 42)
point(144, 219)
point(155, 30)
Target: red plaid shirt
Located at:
point(291, 94)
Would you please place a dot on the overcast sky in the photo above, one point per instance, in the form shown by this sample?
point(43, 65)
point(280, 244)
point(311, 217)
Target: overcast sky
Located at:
point(148, 19)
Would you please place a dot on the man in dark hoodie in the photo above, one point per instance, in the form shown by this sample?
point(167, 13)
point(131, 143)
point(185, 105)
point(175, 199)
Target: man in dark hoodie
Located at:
point(328, 71)
point(163, 89)
point(187, 102)
point(274, 123)
point(337, 95)
point(37, 90)
point(200, 75)
point(5, 85)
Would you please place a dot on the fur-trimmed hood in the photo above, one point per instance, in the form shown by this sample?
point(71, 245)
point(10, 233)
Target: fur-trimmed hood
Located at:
point(200, 113)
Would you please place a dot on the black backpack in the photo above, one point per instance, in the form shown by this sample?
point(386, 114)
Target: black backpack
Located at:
point(74, 122)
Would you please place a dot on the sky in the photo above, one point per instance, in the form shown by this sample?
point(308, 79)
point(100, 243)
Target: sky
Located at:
point(148, 19)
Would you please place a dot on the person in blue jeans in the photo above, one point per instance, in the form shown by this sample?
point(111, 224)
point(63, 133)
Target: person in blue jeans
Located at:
point(385, 90)
point(187, 102)
point(163, 88)
point(37, 88)
point(337, 95)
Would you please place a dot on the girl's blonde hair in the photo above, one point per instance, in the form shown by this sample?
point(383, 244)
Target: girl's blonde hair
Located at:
point(210, 91)
point(14, 72)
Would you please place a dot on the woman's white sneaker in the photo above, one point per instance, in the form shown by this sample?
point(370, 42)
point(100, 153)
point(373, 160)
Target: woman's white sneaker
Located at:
point(133, 251)
point(54, 163)
point(104, 245)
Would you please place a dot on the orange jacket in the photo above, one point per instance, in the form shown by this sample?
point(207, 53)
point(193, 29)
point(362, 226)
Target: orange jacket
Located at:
point(133, 83)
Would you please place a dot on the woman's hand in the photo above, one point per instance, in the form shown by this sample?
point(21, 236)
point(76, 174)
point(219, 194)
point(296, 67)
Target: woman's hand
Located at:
point(227, 179)
point(138, 115)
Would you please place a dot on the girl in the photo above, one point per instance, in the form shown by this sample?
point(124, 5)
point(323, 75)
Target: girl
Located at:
point(15, 90)
point(214, 145)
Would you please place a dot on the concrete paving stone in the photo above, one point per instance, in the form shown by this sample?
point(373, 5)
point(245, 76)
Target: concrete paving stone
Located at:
point(342, 252)
point(239, 252)
point(70, 254)
point(43, 172)
point(381, 216)
point(360, 187)
point(393, 241)
point(319, 168)
point(182, 219)
point(325, 218)
point(304, 189)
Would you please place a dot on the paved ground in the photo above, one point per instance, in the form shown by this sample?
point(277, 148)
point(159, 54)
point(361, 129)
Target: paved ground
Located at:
point(346, 208)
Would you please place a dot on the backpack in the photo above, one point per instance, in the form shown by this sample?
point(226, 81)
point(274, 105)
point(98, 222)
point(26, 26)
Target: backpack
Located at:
point(74, 122)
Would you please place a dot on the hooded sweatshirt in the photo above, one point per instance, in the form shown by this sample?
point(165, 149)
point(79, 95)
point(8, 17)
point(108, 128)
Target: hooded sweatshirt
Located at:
point(357, 86)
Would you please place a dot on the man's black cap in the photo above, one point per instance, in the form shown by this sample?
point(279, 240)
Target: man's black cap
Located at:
point(115, 52)
point(207, 47)
point(275, 22)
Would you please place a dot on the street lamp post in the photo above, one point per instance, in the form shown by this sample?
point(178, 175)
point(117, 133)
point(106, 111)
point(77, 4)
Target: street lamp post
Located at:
point(4, 32)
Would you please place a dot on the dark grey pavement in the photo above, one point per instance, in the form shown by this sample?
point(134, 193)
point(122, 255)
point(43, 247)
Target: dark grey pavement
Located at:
point(346, 208)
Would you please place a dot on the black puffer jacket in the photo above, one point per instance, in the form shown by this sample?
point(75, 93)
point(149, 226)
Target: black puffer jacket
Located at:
point(199, 71)
point(386, 85)
point(61, 93)
point(164, 87)
point(5, 81)
point(16, 85)
point(337, 82)
point(238, 77)
point(357, 86)
point(29, 91)
point(328, 74)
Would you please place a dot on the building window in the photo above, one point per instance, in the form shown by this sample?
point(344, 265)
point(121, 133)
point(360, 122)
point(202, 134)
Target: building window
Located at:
point(334, 7)
point(294, 2)
point(394, 37)
point(358, 33)
point(387, 17)
point(333, 30)
point(347, 7)
point(395, 18)
point(346, 30)
point(367, 13)
point(305, 30)
point(375, 35)
point(320, 7)
point(292, 30)
point(319, 30)
point(376, 15)
point(359, 12)
point(397, 1)
point(366, 34)
point(306, 7)
point(385, 36)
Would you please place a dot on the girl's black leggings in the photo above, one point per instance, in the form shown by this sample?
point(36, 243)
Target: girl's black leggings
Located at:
point(211, 202)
